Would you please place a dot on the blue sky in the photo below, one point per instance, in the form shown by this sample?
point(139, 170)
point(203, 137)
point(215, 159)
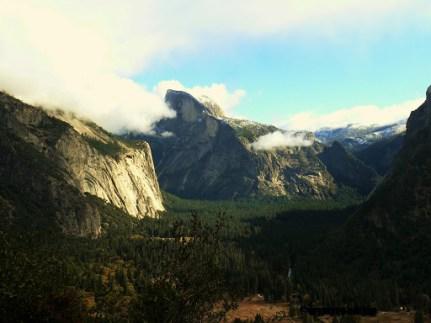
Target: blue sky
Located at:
point(283, 76)
point(297, 63)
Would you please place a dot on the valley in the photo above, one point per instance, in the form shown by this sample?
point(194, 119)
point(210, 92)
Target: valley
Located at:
point(178, 161)
point(89, 235)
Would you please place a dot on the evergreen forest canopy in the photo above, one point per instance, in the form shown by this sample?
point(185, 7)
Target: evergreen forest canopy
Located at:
point(192, 265)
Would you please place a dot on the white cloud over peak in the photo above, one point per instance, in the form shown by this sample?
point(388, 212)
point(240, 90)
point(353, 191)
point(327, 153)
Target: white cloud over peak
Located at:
point(281, 139)
point(359, 115)
point(218, 93)
point(83, 55)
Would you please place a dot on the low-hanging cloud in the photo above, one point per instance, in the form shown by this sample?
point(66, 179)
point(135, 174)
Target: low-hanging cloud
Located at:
point(50, 58)
point(83, 55)
point(218, 93)
point(280, 139)
point(360, 115)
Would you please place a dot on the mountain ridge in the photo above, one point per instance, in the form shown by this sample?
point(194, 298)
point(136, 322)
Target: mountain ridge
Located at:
point(359, 137)
point(210, 156)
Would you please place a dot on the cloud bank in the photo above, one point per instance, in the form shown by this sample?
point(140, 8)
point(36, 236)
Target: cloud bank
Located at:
point(49, 58)
point(83, 55)
point(281, 139)
point(359, 115)
point(218, 93)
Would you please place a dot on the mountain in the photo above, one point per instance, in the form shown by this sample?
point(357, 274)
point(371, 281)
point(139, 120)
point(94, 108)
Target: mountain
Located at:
point(352, 172)
point(203, 154)
point(380, 256)
point(383, 249)
point(355, 137)
point(403, 199)
point(390, 233)
point(53, 164)
point(381, 154)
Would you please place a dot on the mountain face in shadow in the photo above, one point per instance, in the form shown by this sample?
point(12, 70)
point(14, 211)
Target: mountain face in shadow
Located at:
point(348, 170)
point(381, 154)
point(385, 243)
point(403, 199)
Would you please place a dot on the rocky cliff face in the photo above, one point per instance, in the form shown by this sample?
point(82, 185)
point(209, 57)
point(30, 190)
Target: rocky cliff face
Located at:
point(58, 162)
point(381, 154)
point(120, 173)
point(203, 154)
point(403, 200)
point(348, 170)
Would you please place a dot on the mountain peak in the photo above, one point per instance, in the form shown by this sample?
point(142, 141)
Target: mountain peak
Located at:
point(420, 119)
point(191, 108)
point(211, 106)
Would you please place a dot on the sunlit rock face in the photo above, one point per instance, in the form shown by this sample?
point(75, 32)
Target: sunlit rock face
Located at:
point(124, 176)
point(74, 158)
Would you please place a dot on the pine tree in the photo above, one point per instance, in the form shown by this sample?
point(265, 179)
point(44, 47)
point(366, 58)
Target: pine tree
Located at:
point(350, 319)
point(419, 317)
point(307, 318)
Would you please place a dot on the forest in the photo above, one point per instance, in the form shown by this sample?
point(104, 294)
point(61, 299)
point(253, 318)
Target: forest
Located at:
point(193, 264)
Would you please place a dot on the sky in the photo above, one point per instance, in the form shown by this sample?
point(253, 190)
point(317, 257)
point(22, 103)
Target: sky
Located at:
point(294, 63)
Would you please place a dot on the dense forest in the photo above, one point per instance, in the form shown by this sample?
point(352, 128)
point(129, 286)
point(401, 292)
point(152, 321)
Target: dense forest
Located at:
point(191, 265)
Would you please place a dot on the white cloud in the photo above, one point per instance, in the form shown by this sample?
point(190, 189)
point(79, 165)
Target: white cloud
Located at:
point(82, 55)
point(167, 134)
point(51, 59)
point(359, 115)
point(281, 139)
point(217, 93)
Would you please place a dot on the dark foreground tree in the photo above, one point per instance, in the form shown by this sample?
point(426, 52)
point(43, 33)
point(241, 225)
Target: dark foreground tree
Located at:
point(419, 317)
point(34, 286)
point(189, 286)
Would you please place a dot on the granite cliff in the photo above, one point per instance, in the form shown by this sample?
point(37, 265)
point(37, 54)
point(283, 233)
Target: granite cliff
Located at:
point(203, 154)
point(57, 162)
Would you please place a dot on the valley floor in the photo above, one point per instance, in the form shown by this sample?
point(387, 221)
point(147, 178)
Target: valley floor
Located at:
point(249, 307)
